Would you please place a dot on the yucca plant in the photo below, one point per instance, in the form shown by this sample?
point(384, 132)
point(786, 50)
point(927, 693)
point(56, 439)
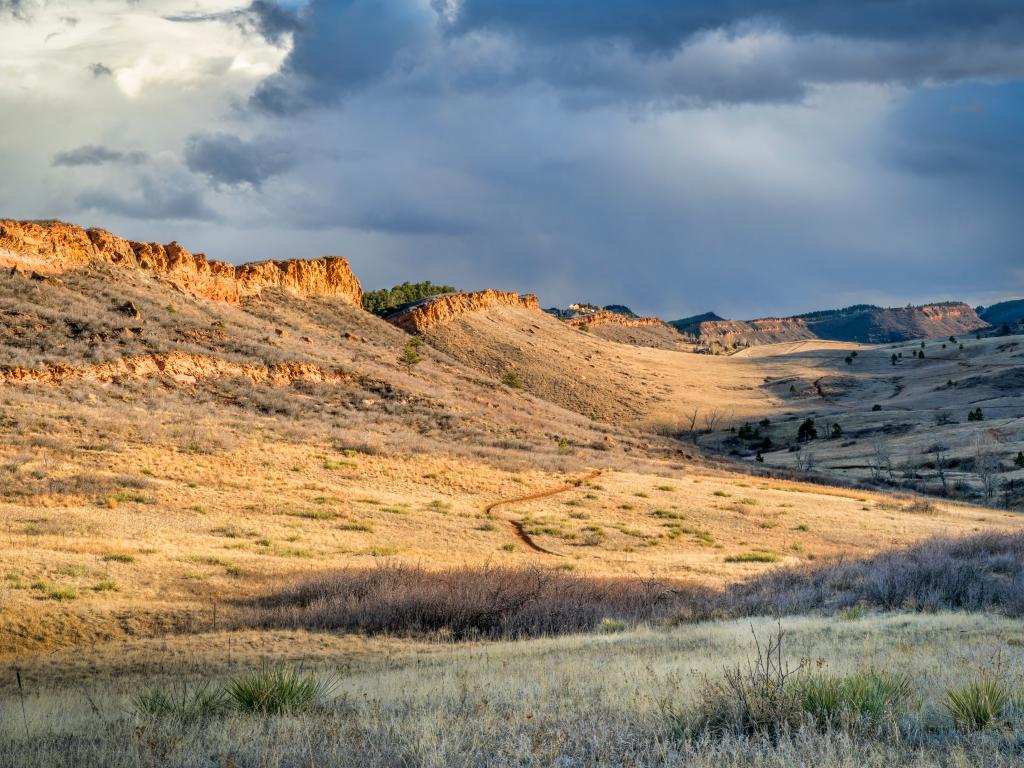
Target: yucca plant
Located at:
point(202, 702)
point(278, 691)
point(978, 704)
point(866, 695)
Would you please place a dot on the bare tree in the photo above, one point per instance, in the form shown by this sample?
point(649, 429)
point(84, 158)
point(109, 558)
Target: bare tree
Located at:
point(804, 460)
point(880, 460)
point(986, 463)
point(711, 419)
point(691, 418)
point(939, 451)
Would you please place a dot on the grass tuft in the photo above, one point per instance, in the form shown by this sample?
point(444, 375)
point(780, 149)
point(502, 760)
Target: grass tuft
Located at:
point(279, 691)
point(979, 704)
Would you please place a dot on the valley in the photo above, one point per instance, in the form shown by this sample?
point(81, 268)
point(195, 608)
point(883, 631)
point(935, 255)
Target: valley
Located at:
point(186, 449)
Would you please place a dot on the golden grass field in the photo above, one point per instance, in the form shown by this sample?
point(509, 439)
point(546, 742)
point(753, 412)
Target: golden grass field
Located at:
point(593, 700)
point(140, 510)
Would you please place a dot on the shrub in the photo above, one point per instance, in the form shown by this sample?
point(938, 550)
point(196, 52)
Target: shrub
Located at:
point(278, 691)
point(461, 603)
point(757, 556)
point(853, 613)
point(866, 696)
point(611, 626)
point(978, 704)
point(760, 699)
point(807, 431)
point(977, 573)
point(381, 302)
point(511, 379)
point(203, 702)
point(410, 356)
point(118, 557)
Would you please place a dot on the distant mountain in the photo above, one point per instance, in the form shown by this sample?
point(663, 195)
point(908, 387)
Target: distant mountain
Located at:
point(1009, 312)
point(684, 324)
point(864, 323)
point(583, 309)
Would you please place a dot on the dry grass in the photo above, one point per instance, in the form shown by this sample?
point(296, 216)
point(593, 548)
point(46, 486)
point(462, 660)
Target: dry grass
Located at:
point(507, 703)
point(469, 603)
point(142, 516)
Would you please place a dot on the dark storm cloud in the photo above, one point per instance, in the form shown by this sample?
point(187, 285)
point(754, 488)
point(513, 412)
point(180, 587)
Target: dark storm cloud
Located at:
point(664, 24)
point(16, 8)
point(665, 53)
point(229, 160)
point(166, 198)
point(264, 17)
point(94, 154)
point(406, 221)
point(343, 46)
point(272, 21)
point(972, 132)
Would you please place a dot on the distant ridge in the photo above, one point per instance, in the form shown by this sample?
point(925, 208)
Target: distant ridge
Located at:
point(684, 324)
point(862, 323)
point(1009, 312)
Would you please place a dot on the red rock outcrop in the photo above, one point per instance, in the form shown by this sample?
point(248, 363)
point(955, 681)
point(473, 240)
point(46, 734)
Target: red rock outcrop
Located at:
point(443, 308)
point(863, 323)
point(614, 318)
point(767, 330)
point(180, 366)
point(50, 247)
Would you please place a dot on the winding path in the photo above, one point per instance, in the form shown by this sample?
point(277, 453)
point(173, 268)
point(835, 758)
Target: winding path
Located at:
point(517, 525)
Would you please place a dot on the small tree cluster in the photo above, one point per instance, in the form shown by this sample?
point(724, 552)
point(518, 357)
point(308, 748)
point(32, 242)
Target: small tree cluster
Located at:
point(383, 301)
point(410, 353)
point(807, 431)
point(976, 415)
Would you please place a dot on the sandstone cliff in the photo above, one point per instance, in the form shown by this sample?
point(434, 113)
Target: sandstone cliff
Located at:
point(51, 247)
point(606, 317)
point(434, 310)
point(179, 366)
point(768, 330)
point(863, 323)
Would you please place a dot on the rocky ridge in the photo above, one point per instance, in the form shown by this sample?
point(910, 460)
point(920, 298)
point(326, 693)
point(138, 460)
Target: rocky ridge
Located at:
point(443, 308)
point(179, 366)
point(52, 247)
point(864, 324)
point(606, 317)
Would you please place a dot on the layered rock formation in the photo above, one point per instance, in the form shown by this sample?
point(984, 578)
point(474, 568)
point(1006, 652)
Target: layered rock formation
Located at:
point(606, 317)
point(179, 366)
point(865, 324)
point(434, 310)
point(766, 330)
point(51, 247)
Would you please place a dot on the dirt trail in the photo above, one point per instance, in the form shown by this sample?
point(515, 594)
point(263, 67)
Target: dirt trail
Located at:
point(518, 526)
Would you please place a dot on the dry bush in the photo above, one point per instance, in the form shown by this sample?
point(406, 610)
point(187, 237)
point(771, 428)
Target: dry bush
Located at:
point(461, 603)
point(983, 572)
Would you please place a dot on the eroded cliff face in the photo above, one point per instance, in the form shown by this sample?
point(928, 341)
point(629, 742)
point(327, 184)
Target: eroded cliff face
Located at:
point(614, 318)
point(868, 325)
point(178, 366)
point(52, 247)
point(768, 330)
point(446, 307)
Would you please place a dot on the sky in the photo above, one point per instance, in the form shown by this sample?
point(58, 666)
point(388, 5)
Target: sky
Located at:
point(748, 157)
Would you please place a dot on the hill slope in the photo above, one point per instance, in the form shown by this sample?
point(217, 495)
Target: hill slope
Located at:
point(863, 324)
point(1009, 312)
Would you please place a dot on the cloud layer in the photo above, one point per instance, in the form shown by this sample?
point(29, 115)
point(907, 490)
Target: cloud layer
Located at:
point(747, 156)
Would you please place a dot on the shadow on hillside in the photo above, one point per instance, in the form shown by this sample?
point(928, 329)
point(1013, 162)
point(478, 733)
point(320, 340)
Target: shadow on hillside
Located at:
point(979, 573)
